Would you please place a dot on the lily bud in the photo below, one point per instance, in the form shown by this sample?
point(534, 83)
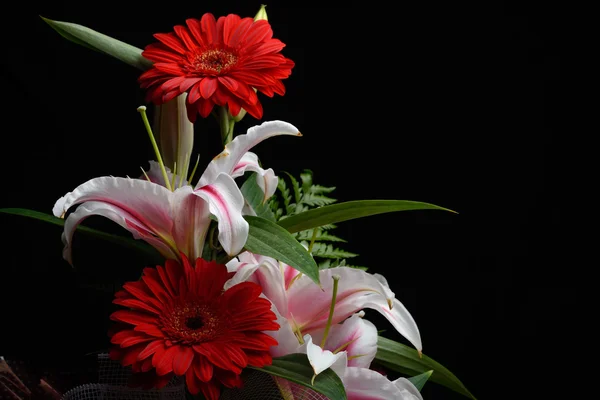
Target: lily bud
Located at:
point(175, 133)
point(262, 13)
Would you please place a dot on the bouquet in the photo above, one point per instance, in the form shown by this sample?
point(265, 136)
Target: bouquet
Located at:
point(252, 294)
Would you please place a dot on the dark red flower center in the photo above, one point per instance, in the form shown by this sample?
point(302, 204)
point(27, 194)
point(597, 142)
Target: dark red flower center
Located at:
point(192, 322)
point(214, 61)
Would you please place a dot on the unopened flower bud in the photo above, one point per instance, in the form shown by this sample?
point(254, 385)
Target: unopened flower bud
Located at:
point(175, 133)
point(262, 13)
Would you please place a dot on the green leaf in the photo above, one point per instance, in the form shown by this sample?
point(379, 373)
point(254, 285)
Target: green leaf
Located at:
point(321, 236)
point(324, 250)
point(406, 360)
point(120, 240)
point(269, 239)
point(102, 43)
point(255, 197)
point(420, 380)
point(350, 210)
point(316, 200)
point(297, 369)
point(296, 187)
point(307, 180)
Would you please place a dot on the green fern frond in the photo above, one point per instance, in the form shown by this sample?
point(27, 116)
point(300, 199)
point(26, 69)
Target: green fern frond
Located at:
point(318, 189)
point(316, 200)
point(320, 237)
point(296, 187)
point(328, 251)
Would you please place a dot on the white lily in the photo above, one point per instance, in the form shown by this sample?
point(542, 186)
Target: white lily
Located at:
point(176, 220)
point(307, 314)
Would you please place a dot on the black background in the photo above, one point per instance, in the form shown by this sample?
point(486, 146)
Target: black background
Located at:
point(460, 105)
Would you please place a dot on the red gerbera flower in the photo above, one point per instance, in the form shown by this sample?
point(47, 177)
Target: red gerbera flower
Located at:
point(217, 62)
point(181, 322)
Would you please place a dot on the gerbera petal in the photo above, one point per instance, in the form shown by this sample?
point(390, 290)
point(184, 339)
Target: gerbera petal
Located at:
point(211, 390)
point(240, 33)
point(191, 381)
point(258, 32)
point(207, 87)
point(202, 368)
point(134, 303)
point(209, 28)
point(151, 348)
point(226, 202)
point(172, 41)
point(133, 317)
point(196, 30)
point(229, 27)
point(182, 360)
point(184, 35)
point(165, 363)
point(234, 151)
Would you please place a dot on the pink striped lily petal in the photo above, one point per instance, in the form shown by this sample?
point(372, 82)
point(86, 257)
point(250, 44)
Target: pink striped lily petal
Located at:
point(366, 384)
point(226, 202)
point(234, 151)
point(356, 336)
point(357, 289)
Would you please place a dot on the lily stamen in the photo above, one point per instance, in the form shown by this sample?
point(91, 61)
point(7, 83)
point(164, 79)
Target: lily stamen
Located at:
point(142, 110)
point(336, 279)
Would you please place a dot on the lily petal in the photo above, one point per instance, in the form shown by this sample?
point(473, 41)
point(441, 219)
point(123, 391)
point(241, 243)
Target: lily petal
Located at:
point(226, 202)
point(115, 214)
point(366, 384)
point(407, 389)
point(190, 221)
point(356, 336)
point(357, 289)
point(321, 359)
point(141, 207)
point(234, 151)
point(155, 175)
point(266, 179)
point(264, 271)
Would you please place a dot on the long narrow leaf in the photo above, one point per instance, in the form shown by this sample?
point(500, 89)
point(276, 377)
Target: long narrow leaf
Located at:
point(269, 239)
point(102, 43)
point(120, 240)
point(406, 360)
point(297, 369)
point(350, 210)
point(420, 380)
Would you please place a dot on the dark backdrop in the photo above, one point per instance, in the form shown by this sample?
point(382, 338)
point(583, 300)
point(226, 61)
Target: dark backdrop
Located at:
point(457, 104)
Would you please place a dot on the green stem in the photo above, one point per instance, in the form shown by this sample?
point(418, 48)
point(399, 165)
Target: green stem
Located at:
point(336, 279)
point(226, 124)
point(142, 110)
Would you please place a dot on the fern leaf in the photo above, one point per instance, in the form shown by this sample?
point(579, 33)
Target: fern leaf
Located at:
point(307, 180)
point(296, 187)
point(318, 189)
point(320, 237)
point(315, 200)
point(328, 251)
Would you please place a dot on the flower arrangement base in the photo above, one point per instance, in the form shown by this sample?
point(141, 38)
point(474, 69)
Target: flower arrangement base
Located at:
point(112, 385)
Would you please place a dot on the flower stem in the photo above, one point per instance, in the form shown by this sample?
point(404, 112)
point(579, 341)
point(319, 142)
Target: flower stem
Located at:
point(336, 279)
point(226, 124)
point(142, 110)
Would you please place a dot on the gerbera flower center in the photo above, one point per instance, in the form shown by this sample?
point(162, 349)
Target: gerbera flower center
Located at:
point(192, 322)
point(214, 61)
